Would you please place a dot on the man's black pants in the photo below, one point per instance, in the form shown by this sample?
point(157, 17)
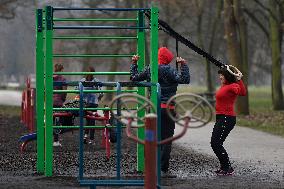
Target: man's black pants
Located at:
point(167, 130)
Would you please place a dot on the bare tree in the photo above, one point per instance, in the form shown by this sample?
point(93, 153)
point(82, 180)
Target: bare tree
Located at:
point(200, 7)
point(273, 15)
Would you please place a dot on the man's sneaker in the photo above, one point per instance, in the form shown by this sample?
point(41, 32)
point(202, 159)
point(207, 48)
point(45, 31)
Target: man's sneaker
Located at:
point(57, 144)
point(167, 174)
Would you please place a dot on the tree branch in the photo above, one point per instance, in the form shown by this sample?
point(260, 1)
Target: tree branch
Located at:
point(258, 23)
point(267, 9)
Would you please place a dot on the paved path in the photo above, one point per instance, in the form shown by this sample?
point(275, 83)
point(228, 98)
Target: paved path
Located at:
point(244, 145)
point(11, 98)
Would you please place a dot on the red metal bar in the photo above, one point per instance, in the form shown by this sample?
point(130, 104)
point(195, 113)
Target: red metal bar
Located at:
point(23, 108)
point(32, 126)
point(150, 151)
point(62, 114)
point(94, 117)
point(28, 118)
point(107, 142)
point(130, 135)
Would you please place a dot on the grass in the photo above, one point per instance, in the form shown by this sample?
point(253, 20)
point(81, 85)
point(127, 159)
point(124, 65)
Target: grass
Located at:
point(9, 111)
point(262, 117)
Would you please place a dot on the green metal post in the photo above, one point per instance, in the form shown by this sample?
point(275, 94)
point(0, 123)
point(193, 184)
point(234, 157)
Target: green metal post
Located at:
point(48, 92)
point(141, 90)
point(39, 92)
point(154, 71)
point(154, 53)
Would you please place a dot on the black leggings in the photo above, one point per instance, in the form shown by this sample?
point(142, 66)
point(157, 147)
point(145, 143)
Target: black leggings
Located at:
point(223, 126)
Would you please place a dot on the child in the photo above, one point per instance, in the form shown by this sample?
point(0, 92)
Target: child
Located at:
point(58, 99)
point(92, 100)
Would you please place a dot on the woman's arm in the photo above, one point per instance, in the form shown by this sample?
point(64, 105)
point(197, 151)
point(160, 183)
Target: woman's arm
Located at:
point(239, 88)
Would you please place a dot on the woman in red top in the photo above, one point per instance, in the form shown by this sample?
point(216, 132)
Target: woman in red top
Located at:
point(231, 87)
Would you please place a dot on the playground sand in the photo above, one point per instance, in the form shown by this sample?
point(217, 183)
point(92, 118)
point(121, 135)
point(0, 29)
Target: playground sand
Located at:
point(193, 169)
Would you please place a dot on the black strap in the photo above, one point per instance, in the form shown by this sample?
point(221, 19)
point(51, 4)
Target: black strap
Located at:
point(177, 53)
point(167, 29)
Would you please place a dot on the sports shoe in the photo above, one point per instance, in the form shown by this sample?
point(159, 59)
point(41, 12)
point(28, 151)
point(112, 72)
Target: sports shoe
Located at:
point(57, 144)
point(229, 172)
point(218, 171)
point(167, 174)
point(85, 139)
point(91, 142)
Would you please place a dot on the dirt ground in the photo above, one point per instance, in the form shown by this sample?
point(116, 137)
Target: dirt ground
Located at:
point(193, 169)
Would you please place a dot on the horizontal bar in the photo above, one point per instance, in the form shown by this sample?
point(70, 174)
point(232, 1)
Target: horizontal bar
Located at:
point(92, 91)
point(112, 182)
point(102, 9)
point(91, 73)
point(77, 109)
point(110, 84)
point(94, 37)
point(85, 126)
point(94, 19)
point(91, 55)
point(99, 27)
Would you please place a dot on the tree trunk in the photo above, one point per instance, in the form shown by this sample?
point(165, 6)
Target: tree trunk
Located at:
point(209, 83)
point(212, 46)
point(235, 34)
point(243, 101)
point(275, 45)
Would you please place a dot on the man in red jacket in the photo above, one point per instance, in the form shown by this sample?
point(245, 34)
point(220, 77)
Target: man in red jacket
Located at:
point(231, 87)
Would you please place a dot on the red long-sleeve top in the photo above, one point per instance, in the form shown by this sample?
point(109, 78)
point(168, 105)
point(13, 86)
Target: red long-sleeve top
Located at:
point(226, 97)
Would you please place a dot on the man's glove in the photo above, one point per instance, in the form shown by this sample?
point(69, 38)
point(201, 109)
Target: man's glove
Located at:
point(135, 59)
point(180, 60)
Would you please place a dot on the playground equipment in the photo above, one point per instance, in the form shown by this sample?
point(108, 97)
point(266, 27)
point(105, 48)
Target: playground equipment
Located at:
point(151, 124)
point(116, 111)
point(28, 105)
point(62, 119)
point(46, 26)
point(200, 110)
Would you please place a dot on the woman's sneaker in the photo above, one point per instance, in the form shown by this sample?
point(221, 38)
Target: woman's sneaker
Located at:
point(230, 171)
point(221, 172)
point(218, 171)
